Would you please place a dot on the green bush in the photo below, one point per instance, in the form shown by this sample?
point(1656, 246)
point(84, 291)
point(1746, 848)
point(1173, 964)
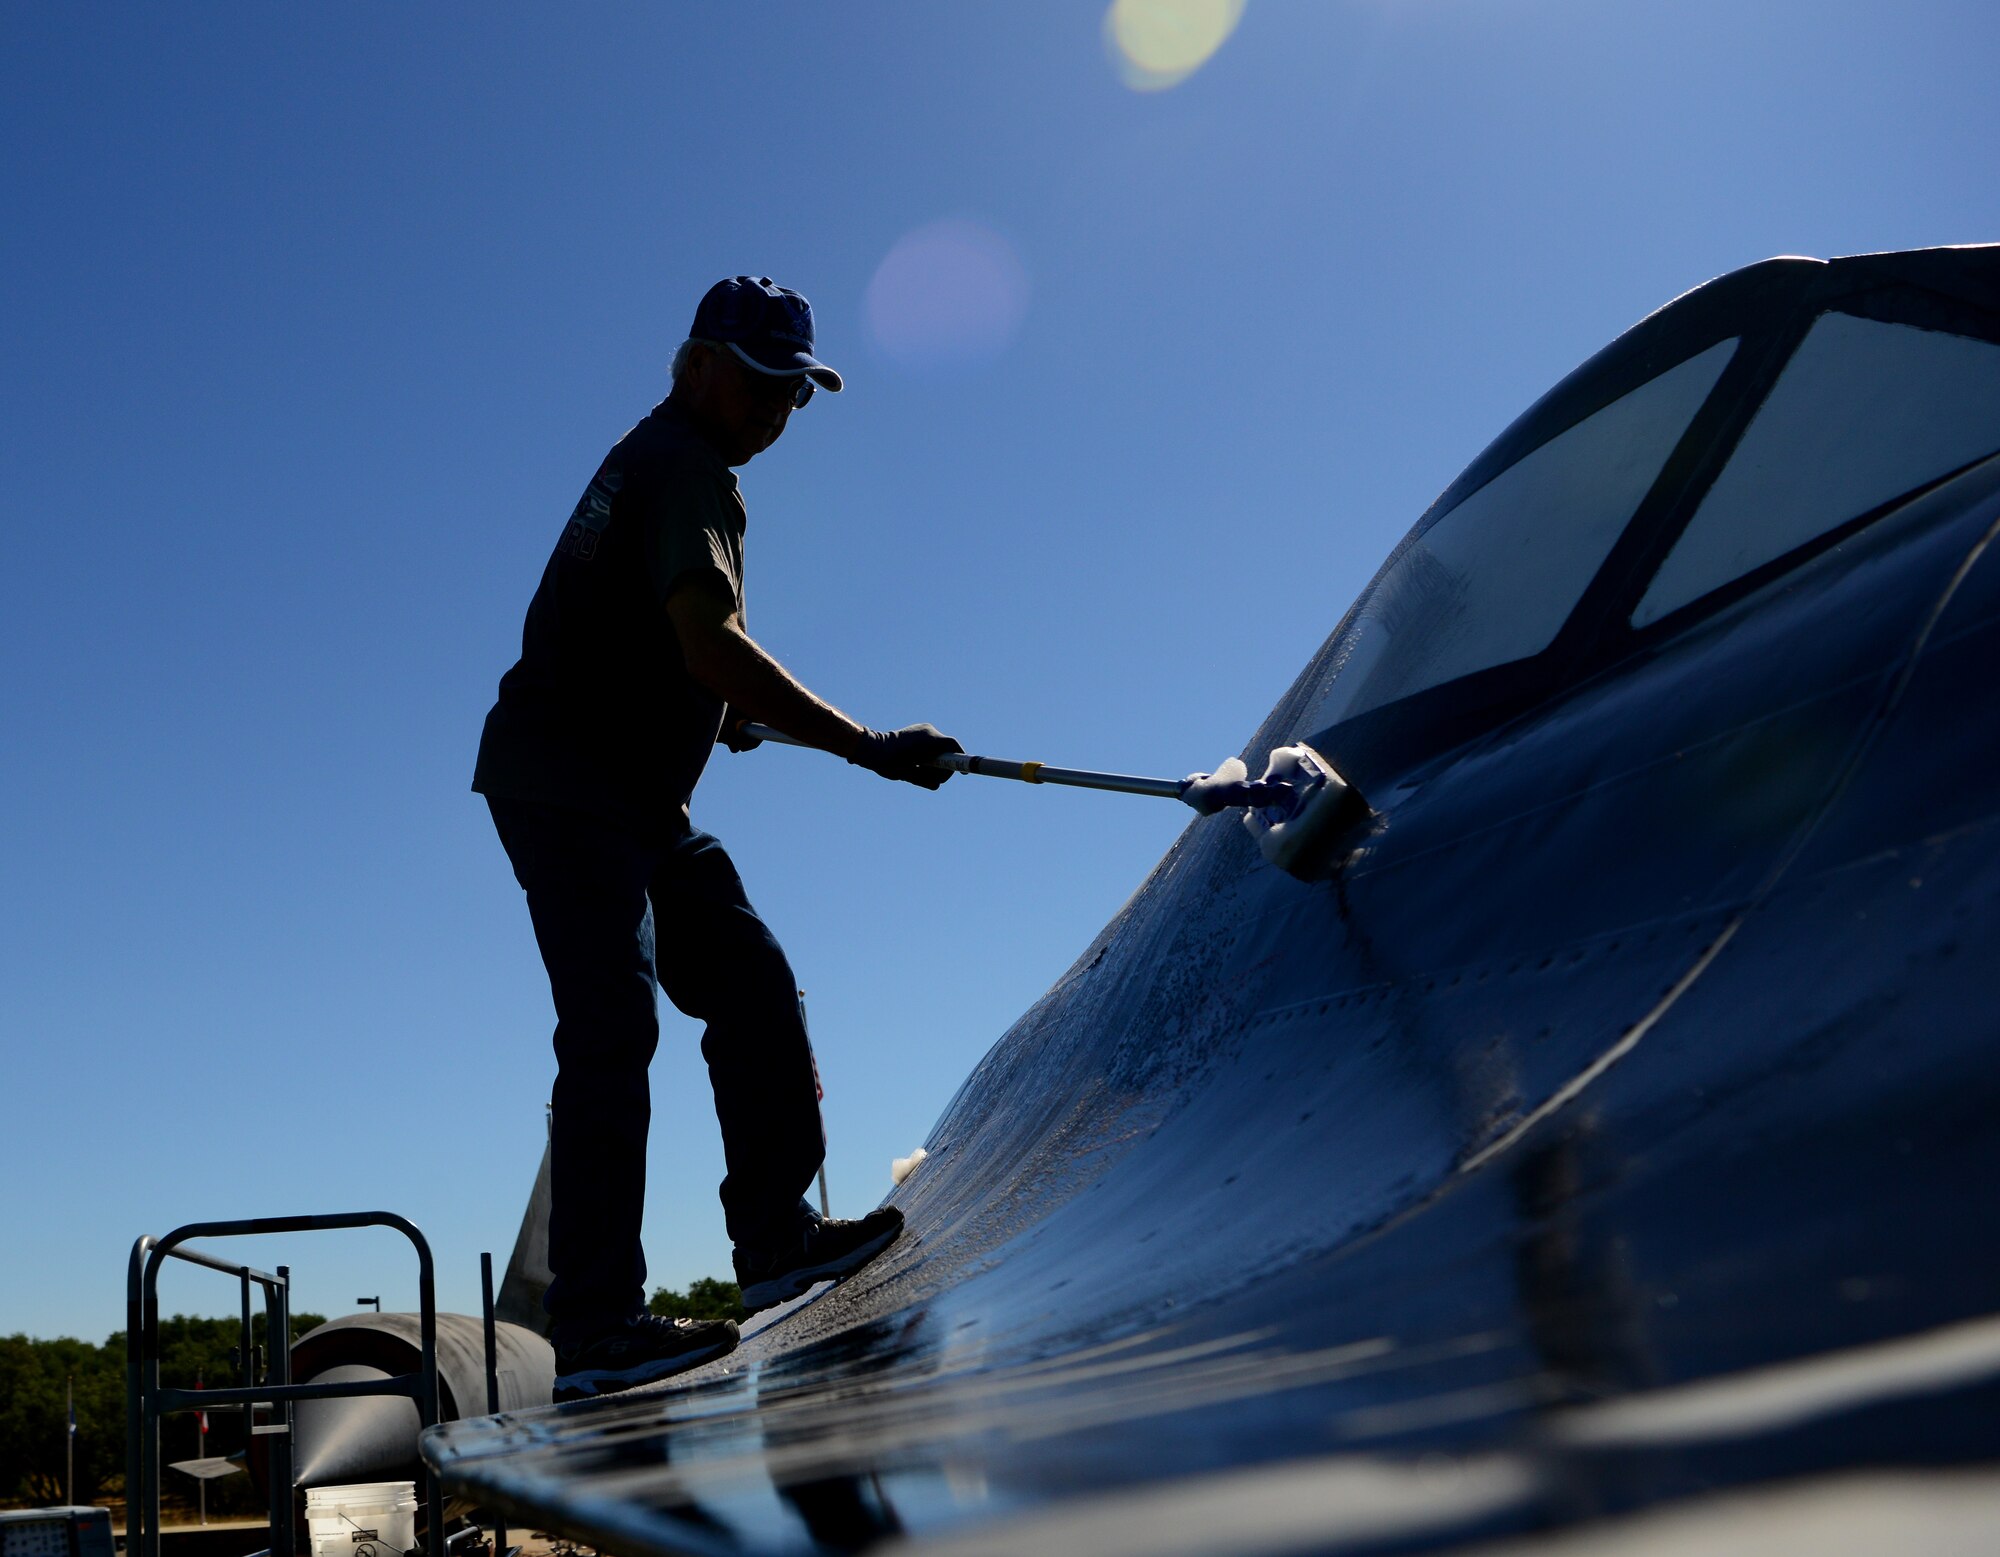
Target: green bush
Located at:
point(705, 1298)
point(33, 1435)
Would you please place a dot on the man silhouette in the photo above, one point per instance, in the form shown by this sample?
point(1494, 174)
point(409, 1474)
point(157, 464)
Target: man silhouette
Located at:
point(634, 661)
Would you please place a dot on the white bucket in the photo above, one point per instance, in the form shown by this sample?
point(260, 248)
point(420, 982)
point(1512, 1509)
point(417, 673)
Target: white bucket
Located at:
point(370, 1519)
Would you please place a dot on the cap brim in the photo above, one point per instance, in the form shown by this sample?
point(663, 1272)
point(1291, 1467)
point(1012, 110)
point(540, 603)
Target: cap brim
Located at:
point(783, 364)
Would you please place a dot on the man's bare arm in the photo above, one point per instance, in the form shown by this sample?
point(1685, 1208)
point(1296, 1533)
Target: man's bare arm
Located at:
point(730, 663)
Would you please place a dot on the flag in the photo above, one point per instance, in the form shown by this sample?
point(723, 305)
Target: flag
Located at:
point(71, 1393)
point(203, 1415)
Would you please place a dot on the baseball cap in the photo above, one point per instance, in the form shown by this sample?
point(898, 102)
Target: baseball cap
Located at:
point(770, 327)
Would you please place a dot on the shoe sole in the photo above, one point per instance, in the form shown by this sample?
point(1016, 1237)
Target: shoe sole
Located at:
point(589, 1383)
point(794, 1283)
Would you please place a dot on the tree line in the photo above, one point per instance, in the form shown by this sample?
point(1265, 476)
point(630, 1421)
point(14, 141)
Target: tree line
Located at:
point(705, 1298)
point(34, 1425)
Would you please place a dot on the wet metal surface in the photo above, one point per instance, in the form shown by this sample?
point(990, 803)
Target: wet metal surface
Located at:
point(1616, 1129)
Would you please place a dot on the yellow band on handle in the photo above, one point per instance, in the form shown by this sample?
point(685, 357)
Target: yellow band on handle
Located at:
point(1031, 773)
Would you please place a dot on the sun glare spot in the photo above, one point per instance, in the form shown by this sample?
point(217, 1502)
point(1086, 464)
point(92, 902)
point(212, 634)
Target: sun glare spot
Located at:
point(1160, 43)
point(948, 295)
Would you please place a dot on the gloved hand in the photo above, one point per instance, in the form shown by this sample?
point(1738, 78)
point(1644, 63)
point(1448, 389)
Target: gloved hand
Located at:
point(904, 754)
point(731, 733)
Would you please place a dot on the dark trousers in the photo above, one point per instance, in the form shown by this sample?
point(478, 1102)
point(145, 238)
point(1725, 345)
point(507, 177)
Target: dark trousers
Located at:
point(615, 913)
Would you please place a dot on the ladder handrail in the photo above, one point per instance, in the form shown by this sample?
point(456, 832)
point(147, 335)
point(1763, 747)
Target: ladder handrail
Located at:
point(146, 1401)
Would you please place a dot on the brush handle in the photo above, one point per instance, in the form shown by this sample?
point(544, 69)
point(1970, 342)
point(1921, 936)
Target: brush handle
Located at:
point(1021, 772)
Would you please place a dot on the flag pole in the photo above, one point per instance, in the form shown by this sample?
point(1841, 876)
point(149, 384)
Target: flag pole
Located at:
point(69, 1444)
point(201, 1449)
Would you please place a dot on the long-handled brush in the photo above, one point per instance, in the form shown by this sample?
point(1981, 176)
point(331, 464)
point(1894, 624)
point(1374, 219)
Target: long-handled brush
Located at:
point(1294, 811)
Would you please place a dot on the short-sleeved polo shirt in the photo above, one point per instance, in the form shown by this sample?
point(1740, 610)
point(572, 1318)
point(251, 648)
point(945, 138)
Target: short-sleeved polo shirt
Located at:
point(600, 714)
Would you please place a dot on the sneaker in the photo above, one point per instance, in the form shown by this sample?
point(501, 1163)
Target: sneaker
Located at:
point(639, 1351)
point(824, 1251)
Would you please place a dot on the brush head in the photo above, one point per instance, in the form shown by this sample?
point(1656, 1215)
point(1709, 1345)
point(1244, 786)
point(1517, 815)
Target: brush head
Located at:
point(1298, 831)
point(1229, 787)
point(1209, 793)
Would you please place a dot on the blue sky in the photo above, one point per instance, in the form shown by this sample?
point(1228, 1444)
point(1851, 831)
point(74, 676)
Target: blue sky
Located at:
point(319, 318)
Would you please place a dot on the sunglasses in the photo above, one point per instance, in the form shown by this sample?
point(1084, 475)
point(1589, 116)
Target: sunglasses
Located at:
point(802, 391)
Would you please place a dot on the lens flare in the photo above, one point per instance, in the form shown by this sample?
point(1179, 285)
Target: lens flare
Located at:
point(1160, 43)
point(949, 295)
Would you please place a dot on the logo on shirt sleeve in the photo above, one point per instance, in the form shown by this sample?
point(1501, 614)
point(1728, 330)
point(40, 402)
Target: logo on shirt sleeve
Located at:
point(587, 521)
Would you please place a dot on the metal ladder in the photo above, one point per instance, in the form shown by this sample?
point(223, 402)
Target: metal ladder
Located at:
point(146, 1401)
